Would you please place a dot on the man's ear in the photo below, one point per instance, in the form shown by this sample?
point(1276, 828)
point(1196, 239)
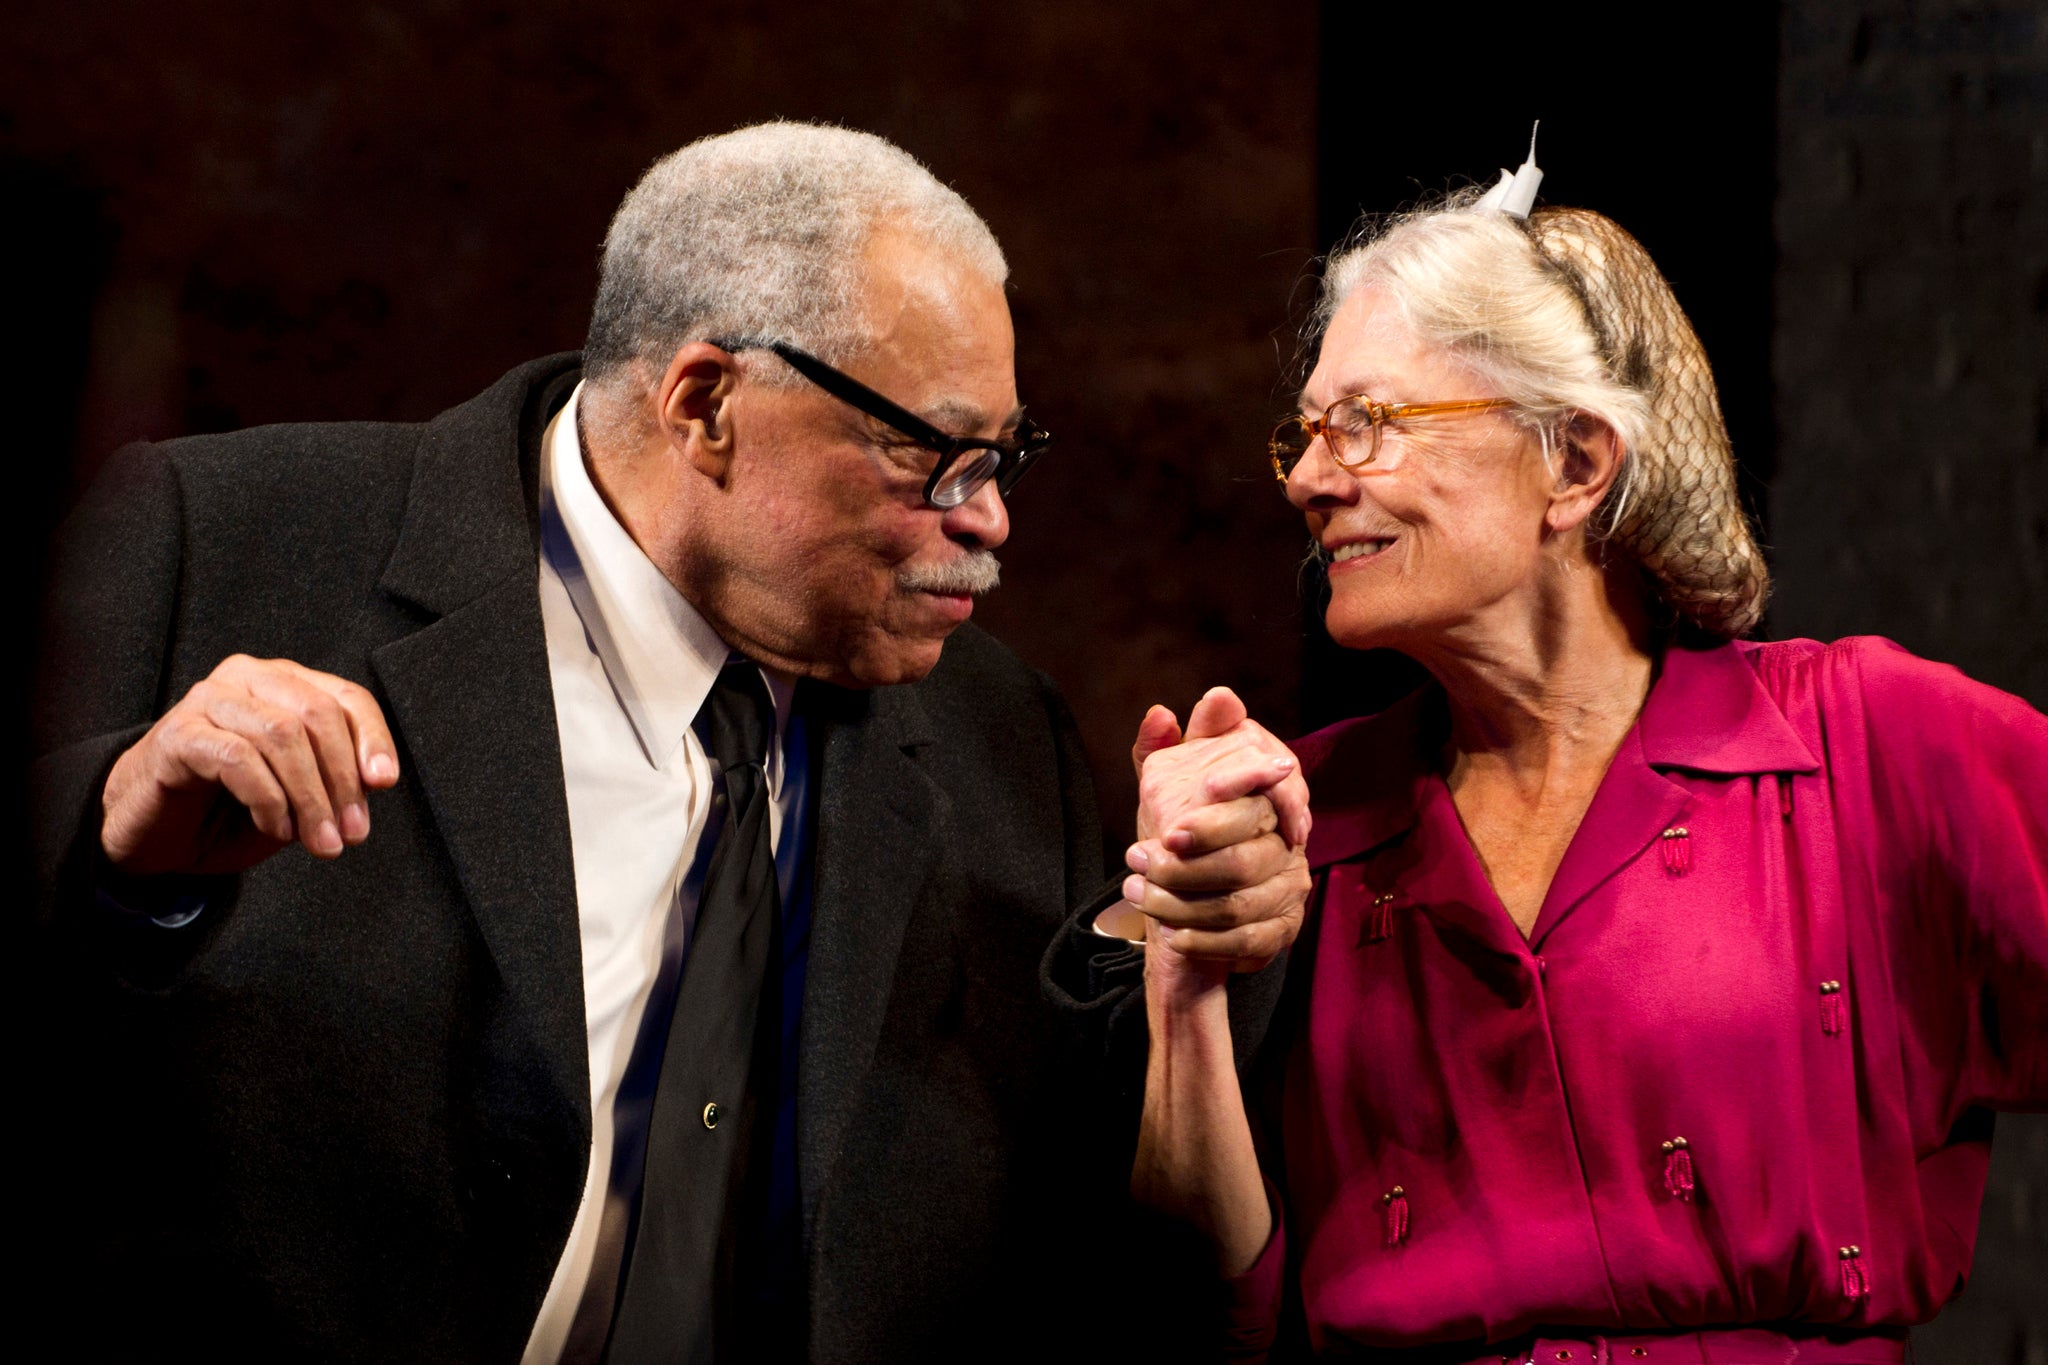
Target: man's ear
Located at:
point(1588, 454)
point(693, 405)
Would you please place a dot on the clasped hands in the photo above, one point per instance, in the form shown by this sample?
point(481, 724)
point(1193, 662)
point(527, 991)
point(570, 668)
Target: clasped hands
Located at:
point(1219, 869)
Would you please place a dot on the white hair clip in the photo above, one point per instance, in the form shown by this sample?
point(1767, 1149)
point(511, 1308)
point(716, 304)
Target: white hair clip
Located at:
point(1515, 193)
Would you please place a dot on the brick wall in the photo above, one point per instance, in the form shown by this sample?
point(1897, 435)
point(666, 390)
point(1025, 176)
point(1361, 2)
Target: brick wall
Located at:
point(1910, 363)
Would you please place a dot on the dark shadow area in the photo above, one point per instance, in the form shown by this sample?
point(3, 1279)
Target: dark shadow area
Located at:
point(59, 241)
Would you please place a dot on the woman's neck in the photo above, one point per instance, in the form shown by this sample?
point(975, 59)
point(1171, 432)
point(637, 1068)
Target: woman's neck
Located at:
point(1545, 688)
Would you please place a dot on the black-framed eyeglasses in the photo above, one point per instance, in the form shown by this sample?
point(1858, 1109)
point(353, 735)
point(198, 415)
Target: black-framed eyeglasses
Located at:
point(965, 462)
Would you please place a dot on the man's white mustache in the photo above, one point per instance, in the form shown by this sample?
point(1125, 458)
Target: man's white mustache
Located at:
point(974, 572)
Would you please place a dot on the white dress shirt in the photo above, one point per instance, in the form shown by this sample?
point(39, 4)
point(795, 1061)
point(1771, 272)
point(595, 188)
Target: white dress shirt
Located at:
point(631, 663)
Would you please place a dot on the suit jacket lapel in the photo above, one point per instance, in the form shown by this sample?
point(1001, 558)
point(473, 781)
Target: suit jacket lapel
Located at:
point(472, 705)
point(880, 824)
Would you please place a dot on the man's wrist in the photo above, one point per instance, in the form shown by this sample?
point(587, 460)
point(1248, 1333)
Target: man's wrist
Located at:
point(170, 901)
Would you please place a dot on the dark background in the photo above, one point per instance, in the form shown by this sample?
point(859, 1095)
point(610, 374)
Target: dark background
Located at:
point(248, 212)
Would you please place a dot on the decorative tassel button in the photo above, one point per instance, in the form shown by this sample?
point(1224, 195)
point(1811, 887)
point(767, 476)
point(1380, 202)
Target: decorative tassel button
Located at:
point(1678, 850)
point(1396, 1201)
point(1855, 1282)
point(1379, 920)
point(1678, 1170)
point(1833, 1012)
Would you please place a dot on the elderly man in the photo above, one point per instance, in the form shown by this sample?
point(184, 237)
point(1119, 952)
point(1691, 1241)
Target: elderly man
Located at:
point(563, 879)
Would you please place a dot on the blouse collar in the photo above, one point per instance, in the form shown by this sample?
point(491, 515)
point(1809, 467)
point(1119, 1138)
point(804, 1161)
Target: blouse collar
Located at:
point(1706, 712)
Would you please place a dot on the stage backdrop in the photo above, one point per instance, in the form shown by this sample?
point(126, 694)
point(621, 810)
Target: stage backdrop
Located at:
point(235, 213)
point(262, 213)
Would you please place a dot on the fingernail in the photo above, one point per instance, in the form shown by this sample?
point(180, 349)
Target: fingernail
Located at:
point(1136, 858)
point(1283, 763)
point(355, 821)
point(327, 839)
point(1179, 841)
point(383, 767)
point(1134, 890)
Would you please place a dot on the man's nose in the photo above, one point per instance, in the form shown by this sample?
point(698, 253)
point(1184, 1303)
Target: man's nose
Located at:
point(1318, 481)
point(983, 521)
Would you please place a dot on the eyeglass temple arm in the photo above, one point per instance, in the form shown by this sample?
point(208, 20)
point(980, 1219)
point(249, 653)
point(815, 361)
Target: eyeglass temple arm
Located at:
point(1386, 410)
point(844, 386)
point(851, 390)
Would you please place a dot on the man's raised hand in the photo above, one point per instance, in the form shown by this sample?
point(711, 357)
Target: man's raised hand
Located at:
point(1223, 822)
point(259, 753)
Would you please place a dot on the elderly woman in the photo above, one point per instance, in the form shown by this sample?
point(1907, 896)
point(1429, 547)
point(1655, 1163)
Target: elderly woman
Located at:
point(1656, 987)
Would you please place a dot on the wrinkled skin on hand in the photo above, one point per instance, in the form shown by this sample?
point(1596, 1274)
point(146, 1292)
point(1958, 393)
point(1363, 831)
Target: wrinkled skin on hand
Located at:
point(261, 752)
point(1219, 867)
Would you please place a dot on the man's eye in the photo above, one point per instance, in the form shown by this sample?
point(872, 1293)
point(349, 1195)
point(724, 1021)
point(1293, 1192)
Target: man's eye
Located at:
point(910, 454)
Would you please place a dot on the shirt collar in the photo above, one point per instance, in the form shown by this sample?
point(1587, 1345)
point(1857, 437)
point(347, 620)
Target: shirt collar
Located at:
point(1366, 775)
point(660, 656)
point(1706, 712)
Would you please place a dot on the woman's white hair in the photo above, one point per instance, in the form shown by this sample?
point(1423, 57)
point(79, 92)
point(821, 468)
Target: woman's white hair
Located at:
point(761, 234)
point(1566, 315)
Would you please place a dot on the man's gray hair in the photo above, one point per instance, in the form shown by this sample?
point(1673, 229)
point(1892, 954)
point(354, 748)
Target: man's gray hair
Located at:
point(761, 233)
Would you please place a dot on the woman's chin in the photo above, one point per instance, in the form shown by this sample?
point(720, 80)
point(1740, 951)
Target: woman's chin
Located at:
point(1391, 619)
point(1353, 628)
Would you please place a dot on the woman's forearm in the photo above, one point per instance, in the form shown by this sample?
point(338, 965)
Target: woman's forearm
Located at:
point(1195, 1158)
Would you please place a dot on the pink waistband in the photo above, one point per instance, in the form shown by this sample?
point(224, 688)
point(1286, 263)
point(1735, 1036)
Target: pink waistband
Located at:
point(1727, 1346)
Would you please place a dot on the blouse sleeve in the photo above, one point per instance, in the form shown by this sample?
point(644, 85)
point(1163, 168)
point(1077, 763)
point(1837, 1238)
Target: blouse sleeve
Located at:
point(1959, 777)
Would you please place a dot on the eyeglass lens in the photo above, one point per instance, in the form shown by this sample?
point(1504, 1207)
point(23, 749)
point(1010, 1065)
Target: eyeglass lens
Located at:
point(1348, 426)
point(962, 477)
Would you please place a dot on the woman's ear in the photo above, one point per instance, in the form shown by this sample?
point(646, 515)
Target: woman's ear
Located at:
point(1589, 456)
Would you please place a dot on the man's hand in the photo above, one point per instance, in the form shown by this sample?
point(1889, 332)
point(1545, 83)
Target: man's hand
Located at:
point(1223, 821)
point(259, 753)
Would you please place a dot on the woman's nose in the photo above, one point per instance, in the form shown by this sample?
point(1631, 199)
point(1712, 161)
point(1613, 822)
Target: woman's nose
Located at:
point(1317, 480)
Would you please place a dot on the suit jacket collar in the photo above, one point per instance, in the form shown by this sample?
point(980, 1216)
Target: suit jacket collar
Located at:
point(473, 711)
point(472, 515)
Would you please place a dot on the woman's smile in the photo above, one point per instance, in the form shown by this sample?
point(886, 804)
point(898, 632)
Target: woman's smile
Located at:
point(1353, 550)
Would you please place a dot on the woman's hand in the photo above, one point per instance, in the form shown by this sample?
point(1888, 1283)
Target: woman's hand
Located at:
point(1221, 871)
point(1223, 821)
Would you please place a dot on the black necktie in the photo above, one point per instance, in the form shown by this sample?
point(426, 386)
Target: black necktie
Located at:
point(709, 1136)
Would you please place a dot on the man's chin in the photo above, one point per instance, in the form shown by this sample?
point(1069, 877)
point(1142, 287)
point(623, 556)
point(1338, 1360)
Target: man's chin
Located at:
point(896, 660)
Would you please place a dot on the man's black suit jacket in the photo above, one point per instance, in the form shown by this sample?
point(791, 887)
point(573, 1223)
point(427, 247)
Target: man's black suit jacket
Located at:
point(345, 1113)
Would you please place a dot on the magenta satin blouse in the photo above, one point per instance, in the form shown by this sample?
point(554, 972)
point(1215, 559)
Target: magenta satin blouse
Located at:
point(1742, 1070)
